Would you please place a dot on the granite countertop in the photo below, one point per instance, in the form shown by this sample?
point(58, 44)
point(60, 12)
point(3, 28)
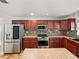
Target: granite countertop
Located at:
point(30, 36)
point(70, 38)
point(50, 37)
point(49, 53)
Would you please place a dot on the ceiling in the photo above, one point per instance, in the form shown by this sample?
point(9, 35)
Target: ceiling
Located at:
point(38, 8)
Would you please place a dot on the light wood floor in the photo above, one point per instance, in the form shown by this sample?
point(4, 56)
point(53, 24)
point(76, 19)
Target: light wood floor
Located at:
point(10, 56)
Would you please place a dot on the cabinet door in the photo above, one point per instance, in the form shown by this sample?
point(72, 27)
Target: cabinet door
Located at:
point(8, 48)
point(56, 25)
point(34, 43)
point(63, 25)
point(16, 47)
point(27, 27)
point(71, 47)
point(50, 24)
point(63, 42)
point(8, 32)
point(30, 43)
point(19, 22)
point(33, 25)
point(40, 22)
point(54, 43)
point(71, 24)
point(26, 43)
point(78, 51)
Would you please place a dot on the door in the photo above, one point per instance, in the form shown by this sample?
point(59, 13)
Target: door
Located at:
point(8, 32)
point(16, 47)
point(8, 47)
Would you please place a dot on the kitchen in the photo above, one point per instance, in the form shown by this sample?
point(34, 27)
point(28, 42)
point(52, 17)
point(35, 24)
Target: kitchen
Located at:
point(39, 32)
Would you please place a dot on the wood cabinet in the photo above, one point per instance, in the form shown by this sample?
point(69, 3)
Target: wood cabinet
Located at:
point(40, 22)
point(72, 47)
point(50, 24)
point(71, 24)
point(63, 42)
point(33, 24)
point(54, 42)
point(68, 24)
point(63, 25)
point(78, 51)
point(19, 22)
point(30, 43)
point(54, 24)
point(30, 24)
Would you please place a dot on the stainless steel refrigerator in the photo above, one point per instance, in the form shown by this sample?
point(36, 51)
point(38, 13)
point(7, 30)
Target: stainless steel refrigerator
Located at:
point(13, 38)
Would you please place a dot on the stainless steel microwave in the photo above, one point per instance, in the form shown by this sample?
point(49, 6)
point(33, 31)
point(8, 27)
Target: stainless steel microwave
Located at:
point(42, 26)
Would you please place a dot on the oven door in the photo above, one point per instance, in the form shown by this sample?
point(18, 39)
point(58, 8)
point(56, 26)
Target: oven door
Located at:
point(42, 43)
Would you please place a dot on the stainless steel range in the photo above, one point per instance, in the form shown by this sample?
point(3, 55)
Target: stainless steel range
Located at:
point(43, 41)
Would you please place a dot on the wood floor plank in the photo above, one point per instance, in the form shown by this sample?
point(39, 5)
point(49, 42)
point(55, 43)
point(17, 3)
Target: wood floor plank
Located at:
point(10, 56)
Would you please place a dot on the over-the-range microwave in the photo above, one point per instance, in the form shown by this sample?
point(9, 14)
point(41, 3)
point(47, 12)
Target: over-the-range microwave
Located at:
point(42, 26)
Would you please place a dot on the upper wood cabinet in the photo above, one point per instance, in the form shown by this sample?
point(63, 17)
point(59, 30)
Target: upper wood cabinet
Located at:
point(63, 25)
point(28, 24)
point(68, 24)
point(19, 22)
point(31, 25)
point(71, 24)
point(40, 22)
point(54, 24)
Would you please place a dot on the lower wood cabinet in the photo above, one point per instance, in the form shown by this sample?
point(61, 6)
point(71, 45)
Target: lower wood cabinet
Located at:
point(72, 47)
point(63, 42)
point(54, 42)
point(30, 43)
point(78, 52)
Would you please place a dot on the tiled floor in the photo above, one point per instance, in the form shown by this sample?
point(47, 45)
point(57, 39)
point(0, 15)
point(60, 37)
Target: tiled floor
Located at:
point(10, 56)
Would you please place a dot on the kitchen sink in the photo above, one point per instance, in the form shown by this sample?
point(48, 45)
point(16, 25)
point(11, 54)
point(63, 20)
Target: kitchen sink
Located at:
point(76, 39)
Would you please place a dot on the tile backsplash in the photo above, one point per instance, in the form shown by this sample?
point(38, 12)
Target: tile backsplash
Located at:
point(71, 33)
point(51, 33)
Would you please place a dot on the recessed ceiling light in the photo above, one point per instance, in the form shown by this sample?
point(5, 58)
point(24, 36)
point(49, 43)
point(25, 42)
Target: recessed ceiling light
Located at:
point(31, 14)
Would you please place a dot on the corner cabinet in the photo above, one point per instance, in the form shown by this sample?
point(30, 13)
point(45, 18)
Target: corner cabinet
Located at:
point(30, 43)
